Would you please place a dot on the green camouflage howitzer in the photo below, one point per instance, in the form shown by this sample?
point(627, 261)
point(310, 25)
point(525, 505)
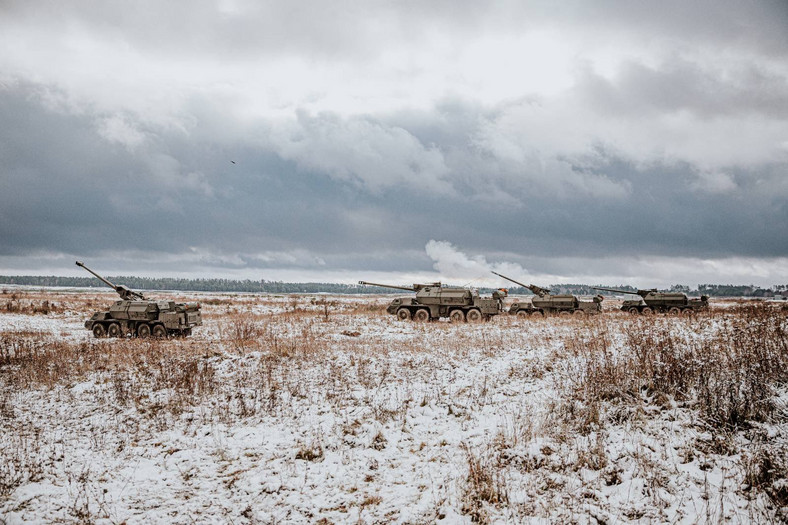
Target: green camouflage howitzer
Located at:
point(133, 315)
point(433, 301)
point(552, 304)
point(653, 301)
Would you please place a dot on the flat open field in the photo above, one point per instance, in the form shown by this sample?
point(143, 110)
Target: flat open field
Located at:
point(324, 409)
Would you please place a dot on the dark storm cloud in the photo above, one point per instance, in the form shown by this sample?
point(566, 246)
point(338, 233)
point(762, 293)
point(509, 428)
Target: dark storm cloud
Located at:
point(71, 190)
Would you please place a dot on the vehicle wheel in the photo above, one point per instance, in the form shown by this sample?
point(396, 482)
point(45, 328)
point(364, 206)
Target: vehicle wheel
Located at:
point(422, 315)
point(473, 315)
point(674, 310)
point(457, 316)
point(648, 311)
point(159, 331)
point(563, 314)
point(113, 330)
point(686, 312)
point(579, 313)
point(143, 331)
point(523, 313)
point(633, 311)
point(403, 314)
point(537, 313)
point(99, 330)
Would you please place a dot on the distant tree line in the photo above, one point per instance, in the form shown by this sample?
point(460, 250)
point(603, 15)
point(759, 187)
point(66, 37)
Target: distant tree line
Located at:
point(263, 286)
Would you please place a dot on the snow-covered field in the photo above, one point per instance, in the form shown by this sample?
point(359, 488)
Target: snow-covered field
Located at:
point(324, 409)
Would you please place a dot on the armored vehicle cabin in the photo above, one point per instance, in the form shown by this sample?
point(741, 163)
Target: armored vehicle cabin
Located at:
point(546, 303)
point(433, 301)
point(652, 301)
point(135, 316)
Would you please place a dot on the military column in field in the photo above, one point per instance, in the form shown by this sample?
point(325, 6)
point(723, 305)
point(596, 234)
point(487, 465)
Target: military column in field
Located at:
point(552, 304)
point(653, 301)
point(133, 315)
point(433, 301)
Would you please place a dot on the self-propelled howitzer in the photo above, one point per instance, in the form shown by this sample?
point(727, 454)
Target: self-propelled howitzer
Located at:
point(433, 301)
point(552, 304)
point(135, 316)
point(652, 301)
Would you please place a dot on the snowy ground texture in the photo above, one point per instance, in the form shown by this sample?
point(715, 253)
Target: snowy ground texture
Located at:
point(326, 410)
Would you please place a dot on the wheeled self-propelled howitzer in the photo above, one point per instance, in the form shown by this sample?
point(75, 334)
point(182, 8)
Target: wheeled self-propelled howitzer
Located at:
point(652, 301)
point(433, 301)
point(133, 315)
point(551, 304)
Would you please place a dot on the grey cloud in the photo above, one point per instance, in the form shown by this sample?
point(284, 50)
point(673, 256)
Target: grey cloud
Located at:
point(681, 85)
point(361, 150)
point(73, 191)
point(669, 155)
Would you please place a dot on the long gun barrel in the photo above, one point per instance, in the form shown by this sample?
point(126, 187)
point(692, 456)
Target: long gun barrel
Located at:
point(410, 289)
point(538, 290)
point(642, 293)
point(123, 291)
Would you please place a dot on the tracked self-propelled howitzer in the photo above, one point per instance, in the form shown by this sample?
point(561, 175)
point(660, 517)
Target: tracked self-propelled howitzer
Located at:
point(134, 315)
point(653, 301)
point(546, 303)
point(434, 301)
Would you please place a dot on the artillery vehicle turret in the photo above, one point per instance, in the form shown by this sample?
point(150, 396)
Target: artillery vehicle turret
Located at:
point(552, 304)
point(136, 316)
point(433, 301)
point(652, 301)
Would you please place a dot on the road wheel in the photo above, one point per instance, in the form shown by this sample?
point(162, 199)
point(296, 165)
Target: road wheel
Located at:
point(422, 315)
point(473, 315)
point(564, 314)
point(159, 331)
point(686, 312)
point(99, 330)
point(648, 311)
point(537, 313)
point(579, 313)
point(633, 311)
point(523, 313)
point(113, 330)
point(403, 314)
point(674, 310)
point(457, 316)
point(143, 331)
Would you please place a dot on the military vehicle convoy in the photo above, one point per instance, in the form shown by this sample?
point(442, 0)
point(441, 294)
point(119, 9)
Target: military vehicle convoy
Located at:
point(434, 301)
point(651, 301)
point(133, 315)
point(546, 303)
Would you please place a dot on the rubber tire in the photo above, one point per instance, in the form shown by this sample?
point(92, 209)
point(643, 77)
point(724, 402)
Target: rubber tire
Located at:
point(687, 312)
point(579, 314)
point(403, 314)
point(564, 314)
point(143, 331)
point(113, 330)
point(159, 331)
point(473, 316)
point(422, 315)
point(537, 313)
point(633, 311)
point(457, 316)
point(674, 310)
point(648, 311)
point(99, 330)
point(523, 313)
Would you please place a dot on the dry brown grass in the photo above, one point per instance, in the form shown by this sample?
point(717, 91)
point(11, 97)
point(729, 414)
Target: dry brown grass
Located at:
point(274, 356)
point(726, 364)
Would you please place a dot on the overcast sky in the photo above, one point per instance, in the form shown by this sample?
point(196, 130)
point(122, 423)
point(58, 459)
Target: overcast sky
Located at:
point(643, 143)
